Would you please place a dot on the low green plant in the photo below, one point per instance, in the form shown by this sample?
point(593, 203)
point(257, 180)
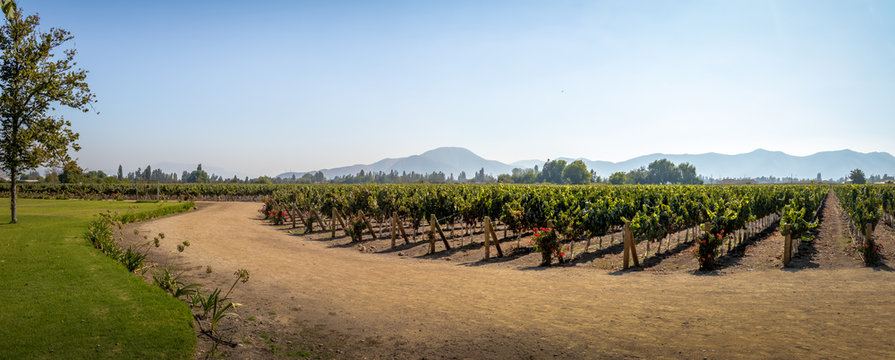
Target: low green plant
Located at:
point(799, 220)
point(277, 217)
point(356, 229)
point(267, 207)
point(546, 242)
point(870, 250)
point(170, 281)
point(215, 306)
point(132, 260)
point(309, 222)
point(708, 249)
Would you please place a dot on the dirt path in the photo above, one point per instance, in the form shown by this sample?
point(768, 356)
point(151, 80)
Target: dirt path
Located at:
point(832, 247)
point(338, 302)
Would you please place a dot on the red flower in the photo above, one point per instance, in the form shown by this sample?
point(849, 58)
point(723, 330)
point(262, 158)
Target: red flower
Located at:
point(537, 235)
point(709, 255)
point(703, 259)
point(562, 254)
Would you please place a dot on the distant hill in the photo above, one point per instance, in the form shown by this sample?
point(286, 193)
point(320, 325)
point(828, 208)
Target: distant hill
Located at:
point(449, 160)
point(831, 164)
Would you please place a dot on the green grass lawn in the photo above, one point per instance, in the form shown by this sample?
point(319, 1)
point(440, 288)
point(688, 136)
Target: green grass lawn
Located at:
point(63, 299)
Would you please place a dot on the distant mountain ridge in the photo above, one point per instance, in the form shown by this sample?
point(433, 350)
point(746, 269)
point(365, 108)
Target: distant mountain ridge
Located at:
point(830, 164)
point(449, 160)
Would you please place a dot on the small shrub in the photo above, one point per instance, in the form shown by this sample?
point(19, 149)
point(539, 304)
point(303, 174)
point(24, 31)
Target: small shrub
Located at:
point(309, 222)
point(547, 243)
point(870, 250)
point(132, 259)
point(267, 207)
point(169, 281)
point(708, 248)
point(277, 217)
point(356, 229)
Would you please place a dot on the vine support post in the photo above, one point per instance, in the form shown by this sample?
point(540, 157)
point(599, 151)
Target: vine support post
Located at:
point(487, 238)
point(489, 234)
point(787, 245)
point(334, 223)
point(367, 222)
point(630, 250)
point(431, 236)
point(339, 217)
point(393, 231)
point(437, 227)
point(400, 227)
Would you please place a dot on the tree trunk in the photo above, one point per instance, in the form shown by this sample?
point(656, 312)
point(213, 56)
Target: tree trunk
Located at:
point(13, 193)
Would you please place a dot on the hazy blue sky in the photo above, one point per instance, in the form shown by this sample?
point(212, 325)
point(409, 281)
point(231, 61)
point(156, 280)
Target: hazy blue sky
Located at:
point(264, 87)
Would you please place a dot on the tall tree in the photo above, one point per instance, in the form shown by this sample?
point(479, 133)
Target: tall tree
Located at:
point(688, 174)
point(33, 81)
point(120, 173)
point(552, 172)
point(617, 178)
point(857, 177)
point(576, 173)
point(663, 171)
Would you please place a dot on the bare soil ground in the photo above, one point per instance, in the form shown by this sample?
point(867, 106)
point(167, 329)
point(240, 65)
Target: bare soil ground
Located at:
point(310, 295)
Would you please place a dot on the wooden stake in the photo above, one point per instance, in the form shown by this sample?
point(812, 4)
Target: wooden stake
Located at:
point(489, 230)
point(487, 240)
point(431, 235)
point(787, 246)
point(339, 217)
point(319, 219)
point(393, 231)
point(300, 216)
point(434, 221)
point(291, 210)
point(369, 227)
point(333, 228)
point(630, 248)
point(400, 227)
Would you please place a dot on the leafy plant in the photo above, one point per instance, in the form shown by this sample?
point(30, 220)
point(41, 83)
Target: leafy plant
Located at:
point(547, 243)
point(871, 252)
point(708, 249)
point(132, 259)
point(216, 307)
point(356, 229)
point(277, 217)
point(169, 281)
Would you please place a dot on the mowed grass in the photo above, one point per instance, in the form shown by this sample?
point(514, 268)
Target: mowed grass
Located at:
point(63, 299)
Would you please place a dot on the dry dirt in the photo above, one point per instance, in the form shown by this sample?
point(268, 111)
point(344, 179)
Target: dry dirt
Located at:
point(310, 295)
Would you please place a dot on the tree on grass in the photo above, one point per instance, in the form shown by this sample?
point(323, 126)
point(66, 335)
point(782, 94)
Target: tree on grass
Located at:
point(33, 81)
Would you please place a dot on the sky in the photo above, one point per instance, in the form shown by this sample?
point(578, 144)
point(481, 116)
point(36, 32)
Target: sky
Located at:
point(265, 87)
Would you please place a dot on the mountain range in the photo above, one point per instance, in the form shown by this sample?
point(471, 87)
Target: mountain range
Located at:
point(830, 164)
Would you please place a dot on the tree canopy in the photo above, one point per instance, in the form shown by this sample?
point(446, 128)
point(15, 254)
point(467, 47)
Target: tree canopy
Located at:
point(33, 81)
point(857, 177)
point(576, 173)
point(660, 171)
